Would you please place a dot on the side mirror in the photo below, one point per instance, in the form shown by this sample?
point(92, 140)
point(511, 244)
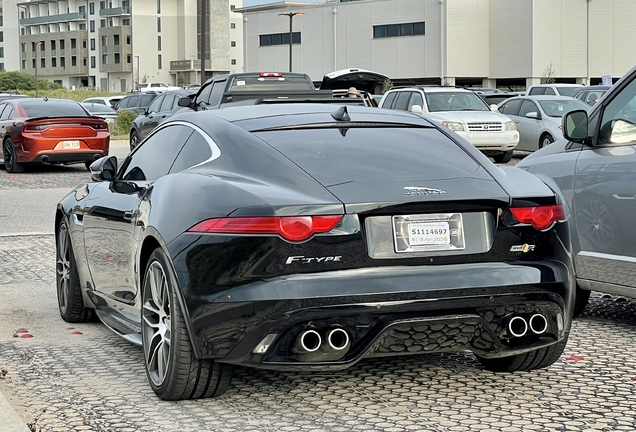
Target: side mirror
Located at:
point(575, 125)
point(141, 111)
point(104, 169)
point(533, 115)
point(185, 102)
point(417, 109)
point(494, 108)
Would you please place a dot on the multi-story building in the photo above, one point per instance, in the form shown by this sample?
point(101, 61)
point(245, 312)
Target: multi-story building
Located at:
point(114, 44)
point(462, 42)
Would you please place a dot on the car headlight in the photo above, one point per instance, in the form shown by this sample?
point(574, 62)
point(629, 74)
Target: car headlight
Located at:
point(510, 125)
point(454, 126)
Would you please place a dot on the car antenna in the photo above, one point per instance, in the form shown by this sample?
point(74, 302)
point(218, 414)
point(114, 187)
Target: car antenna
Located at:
point(341, 114)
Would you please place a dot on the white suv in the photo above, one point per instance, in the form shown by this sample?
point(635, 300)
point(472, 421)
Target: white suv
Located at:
point(156, 87)
point(553, 89)
point(461, 111)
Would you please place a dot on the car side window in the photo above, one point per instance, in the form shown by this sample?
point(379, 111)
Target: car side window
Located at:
point(123, 103)
point(581, 95)
point(133, 102)
point(536, 91)
point(511, 107)
point(155, 105)
point(416, 99)
point(527, 107)
point(402, 100)
point(618, 124)
point(168, 103)
point(196, 150)
point(205, 94)
point(154, 157)
point(7, 113)
point(388, 100)
point(217, 92)
point(550, 91)
point(2, 108)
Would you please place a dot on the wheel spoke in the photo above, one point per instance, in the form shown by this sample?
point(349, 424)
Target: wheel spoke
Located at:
point(164, 351)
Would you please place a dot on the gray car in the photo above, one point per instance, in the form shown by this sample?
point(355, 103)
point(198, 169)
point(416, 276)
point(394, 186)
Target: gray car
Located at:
point(594, 171)
point(538, 118)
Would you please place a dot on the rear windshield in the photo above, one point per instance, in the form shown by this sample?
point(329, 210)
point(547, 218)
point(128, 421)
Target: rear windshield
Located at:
point(40, 108)
point(369, 154)
point(270, 83)
point(567, 91)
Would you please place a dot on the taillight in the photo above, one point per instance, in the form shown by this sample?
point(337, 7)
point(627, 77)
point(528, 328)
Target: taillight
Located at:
point(292, 228)
point(35, 128)
point(540, 217)
point(271, 74)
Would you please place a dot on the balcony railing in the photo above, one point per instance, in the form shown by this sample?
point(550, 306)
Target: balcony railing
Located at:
point(50, 19)
point(104, 48)
point(118, 11)
point(73, 51)
point(53, 53)
point(62, 52)
point(116, 49)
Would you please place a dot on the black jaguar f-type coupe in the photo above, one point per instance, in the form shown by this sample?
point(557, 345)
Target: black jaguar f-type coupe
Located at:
point(312, 237)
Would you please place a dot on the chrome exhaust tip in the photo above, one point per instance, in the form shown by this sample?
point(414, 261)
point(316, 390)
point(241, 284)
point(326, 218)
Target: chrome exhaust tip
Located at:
point(517, 326)
point(538, 324)
point(44, 159)
point(307, 342)
point(338, 339)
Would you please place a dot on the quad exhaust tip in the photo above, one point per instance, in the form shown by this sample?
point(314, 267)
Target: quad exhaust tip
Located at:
point(338, 339)
point(517, 326)
point(538, 324)
point(308, 341)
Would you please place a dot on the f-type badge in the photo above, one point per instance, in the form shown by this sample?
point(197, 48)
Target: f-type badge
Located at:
point(522, 248)
point(416, 190)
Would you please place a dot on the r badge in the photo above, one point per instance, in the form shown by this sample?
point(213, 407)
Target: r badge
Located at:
point(522, 248)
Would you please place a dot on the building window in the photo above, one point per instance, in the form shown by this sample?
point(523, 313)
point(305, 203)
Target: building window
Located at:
point(63, 62)
point(233, 44)
point(102, 23)
point(158, 43)
point(1, 52)
point(232, 7)
point(1, 36)
point(92, 44)
point(232, 25)
point(43, 63)
point(125, 21)
point(117, 58)
point(279, 39)
point(395, 30)
point(84, 61)
point(92, 26)
point(93, 61)
point(128, 40)
point(159, 61)
point(82, 26)
point(53, 62)
point(159, 25)
point(91, 8)
point(23, 64)
point(128, 58)
point(84, 43)
point(104, 58)
point(1, 20)
point(233, 61)
point(1, 66)
point(73, 61)
point(102, 5)
point(158, 6)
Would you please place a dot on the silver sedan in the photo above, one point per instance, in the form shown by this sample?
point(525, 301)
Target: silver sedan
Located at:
point(538, 118)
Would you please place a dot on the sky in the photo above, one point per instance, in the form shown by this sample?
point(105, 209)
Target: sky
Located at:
point(259, 2)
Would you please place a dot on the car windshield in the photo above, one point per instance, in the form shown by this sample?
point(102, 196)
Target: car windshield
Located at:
point(41, 108)
point(567, 90)
point(557, 108)
point(251, 83)
point(455, 101)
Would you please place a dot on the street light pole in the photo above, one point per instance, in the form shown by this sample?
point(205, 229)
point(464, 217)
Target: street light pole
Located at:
point(291, 16)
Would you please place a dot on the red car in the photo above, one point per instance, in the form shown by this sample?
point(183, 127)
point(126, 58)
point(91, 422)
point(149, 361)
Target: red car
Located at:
point(50, 131)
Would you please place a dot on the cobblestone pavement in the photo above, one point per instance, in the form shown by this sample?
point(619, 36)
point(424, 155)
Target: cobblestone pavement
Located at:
point(84, 378)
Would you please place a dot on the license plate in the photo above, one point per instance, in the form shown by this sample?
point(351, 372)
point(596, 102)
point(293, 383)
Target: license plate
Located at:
point(429, 232)
point(71, 144)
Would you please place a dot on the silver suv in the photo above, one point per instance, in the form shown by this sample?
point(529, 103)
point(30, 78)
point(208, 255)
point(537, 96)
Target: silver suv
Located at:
point(463, 112)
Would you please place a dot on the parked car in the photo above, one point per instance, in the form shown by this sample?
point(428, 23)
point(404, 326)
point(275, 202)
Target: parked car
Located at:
point(162, 107)
point(157, 87)
point(101, 111)
point(307, 237)
point(552, 89)
point(109, 101)
point(496, 98)
point(50, 130)
point(538, 118)
point(461, 111)
point(591, 95)
point(594, 172)
point(8, 96)
point(136, 102)
point(193, 87)
point(363, 80)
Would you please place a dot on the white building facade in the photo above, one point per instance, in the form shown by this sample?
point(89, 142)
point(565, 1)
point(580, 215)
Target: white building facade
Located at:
point(462, 42)
point(115, 44)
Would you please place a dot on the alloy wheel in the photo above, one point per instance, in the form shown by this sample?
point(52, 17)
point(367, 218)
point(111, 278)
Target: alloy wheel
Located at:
point(156, 325)
point(63, 267)
point(598, 227)
point(8, 156)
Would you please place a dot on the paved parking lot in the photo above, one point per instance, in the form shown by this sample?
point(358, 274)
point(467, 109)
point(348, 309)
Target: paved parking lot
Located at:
point(84, 378)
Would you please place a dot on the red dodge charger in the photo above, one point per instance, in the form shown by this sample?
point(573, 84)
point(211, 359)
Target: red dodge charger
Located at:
point(50, 131)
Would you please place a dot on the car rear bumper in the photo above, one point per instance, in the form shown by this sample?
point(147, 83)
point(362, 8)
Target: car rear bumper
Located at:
point(396, 311)
point(67, 156)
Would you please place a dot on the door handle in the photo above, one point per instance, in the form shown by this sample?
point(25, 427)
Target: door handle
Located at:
point(128, 215)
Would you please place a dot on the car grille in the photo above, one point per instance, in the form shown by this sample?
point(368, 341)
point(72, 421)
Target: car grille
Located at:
point(485, 127)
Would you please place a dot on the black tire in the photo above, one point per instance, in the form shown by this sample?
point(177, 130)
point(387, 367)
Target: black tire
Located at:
point(134, 140)
point(504, 157)
point(69, 290)
point(582, 299)
point(537, 359)
point(545, 140)
point(88, 165)
point(183, 375)
point(10, 160)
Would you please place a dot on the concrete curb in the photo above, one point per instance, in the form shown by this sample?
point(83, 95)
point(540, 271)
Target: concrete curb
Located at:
point(9, 419)
point(119, 143)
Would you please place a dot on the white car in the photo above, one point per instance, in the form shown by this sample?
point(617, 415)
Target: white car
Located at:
point(553, 89)
point(156, 87)
point(463, 112)
point(109, 101)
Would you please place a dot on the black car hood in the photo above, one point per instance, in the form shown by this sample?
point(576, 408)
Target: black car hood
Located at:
point(359, 78)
